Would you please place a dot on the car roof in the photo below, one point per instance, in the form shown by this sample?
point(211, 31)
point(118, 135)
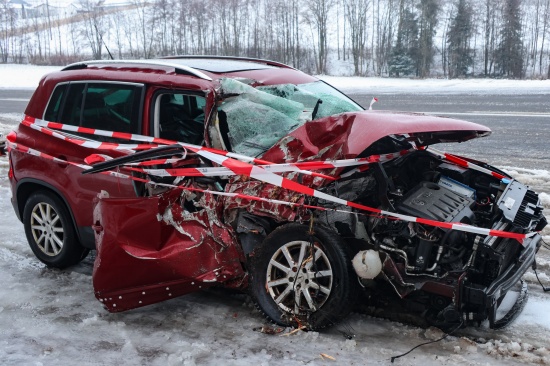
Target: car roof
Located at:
point(208, 68)
point(221, 66)
point(186, 72)
point(225, 64)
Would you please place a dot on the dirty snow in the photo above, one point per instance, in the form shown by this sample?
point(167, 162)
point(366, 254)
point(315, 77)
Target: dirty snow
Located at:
point(50, 317)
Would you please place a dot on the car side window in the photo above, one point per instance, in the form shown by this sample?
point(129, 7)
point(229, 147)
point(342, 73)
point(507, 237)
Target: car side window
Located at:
point(103, 106)
point(54, 106)
point(179, 117)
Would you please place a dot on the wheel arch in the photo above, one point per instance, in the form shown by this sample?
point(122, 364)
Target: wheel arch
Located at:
point(344, 291)
point(27, 186)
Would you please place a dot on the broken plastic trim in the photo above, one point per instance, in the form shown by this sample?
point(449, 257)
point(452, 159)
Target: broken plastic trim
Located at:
point(513, 313)
point(156, 153)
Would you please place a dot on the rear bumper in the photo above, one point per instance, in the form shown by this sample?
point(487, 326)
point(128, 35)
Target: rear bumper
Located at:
point(13, 187)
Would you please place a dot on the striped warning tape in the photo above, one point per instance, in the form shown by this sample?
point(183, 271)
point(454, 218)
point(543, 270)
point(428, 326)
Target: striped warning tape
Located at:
point(46, 127)
point(257, 172)
point(260, 173)
point(463, 163)
point(273, 168)
point(87, 143)
point(31, 151)
point(25, 149)
point(300, 167)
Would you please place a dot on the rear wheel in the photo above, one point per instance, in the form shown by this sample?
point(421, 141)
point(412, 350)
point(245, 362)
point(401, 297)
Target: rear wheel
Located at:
point(50, 231)
point(298, 278)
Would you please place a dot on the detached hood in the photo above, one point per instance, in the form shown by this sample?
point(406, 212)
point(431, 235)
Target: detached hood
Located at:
point(347, 135)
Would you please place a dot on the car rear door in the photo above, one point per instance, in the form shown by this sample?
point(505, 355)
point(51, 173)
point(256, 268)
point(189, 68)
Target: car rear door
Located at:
point(110, 106)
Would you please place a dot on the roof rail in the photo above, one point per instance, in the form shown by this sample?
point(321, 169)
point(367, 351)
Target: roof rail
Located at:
point(179, 69)
point(250, 59)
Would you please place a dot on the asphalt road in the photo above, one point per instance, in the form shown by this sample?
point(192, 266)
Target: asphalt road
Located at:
point(14, 101)
point(520, 123)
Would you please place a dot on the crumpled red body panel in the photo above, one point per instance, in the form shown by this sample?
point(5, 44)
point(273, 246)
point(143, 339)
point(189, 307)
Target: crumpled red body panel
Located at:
point(347, 135)
point(150, 250)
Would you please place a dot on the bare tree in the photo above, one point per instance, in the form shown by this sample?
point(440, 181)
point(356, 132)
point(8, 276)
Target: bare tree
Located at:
point(490, 34)
point(94, 25)
point(7, 29)
point(319, 11)
point(146, 26)
point(386, 23)
point(356, 17)
point(544, 31)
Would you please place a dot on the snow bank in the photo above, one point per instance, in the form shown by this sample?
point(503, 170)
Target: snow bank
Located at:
point(376, 85)
point(23, 76)
point(27, 77)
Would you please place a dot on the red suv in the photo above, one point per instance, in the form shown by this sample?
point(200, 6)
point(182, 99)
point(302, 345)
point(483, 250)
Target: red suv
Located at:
point(250, 174)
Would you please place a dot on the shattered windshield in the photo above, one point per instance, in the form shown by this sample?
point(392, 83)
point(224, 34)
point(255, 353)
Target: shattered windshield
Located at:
point(257, 118)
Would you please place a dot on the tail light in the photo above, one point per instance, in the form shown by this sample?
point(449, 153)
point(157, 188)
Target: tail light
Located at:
point(11, 137)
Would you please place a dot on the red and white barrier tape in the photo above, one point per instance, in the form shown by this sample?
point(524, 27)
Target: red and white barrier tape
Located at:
point(256, 172)
point(463, 163)
point(261, 174)
point(374, 100)
point(31, 151)
point(300, 167)
point(34, 152)
point(45, 126)
point(273, 168)
point(87, 143)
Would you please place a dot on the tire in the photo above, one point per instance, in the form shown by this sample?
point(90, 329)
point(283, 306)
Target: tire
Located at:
point(292, 292)
point(50, 231)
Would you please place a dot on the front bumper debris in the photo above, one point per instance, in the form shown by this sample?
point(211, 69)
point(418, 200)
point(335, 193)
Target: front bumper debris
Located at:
point(481, 302)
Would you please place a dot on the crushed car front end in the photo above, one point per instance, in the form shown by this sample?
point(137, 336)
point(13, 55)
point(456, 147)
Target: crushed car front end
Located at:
point(448, 275)
point(315, 198)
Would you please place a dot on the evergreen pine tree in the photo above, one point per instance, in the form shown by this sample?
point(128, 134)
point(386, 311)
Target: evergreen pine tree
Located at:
point(403, 55)
point(509, 60)
point(427, 21)
point(458, 38)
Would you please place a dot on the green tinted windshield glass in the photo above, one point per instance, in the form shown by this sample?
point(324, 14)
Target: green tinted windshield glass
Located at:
point(258, 117)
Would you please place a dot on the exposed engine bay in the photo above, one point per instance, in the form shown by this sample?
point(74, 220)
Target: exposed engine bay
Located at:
point(456, 276)
point(303, 262)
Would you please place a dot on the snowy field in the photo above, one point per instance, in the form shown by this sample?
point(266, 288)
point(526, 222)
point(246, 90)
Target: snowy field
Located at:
point(27, 77)
point(50, 317)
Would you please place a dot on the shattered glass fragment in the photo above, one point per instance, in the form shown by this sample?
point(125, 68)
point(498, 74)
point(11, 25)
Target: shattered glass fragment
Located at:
point(287, 107)
point(253, 127)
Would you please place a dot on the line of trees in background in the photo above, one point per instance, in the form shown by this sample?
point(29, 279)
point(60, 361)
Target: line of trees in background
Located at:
point(420, 38)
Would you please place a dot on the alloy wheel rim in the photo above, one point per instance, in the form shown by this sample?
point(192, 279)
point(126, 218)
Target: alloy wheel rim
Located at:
point(47, 229)
point(299, 277)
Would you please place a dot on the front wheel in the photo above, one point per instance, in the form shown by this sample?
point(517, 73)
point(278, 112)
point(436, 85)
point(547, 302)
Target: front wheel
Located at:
point(303, 279)
point(50, 231)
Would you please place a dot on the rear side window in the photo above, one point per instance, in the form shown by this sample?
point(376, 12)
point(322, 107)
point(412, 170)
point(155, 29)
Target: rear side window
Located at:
point(54, 106)
point(103, 106)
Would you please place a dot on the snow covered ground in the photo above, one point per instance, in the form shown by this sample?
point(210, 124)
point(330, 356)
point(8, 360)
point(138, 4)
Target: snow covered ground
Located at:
point(50, 317)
